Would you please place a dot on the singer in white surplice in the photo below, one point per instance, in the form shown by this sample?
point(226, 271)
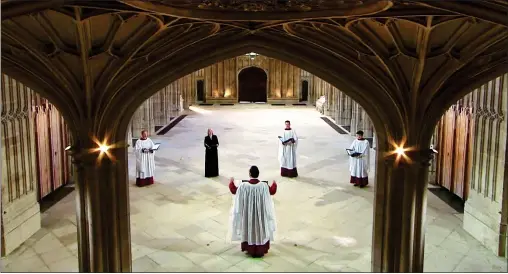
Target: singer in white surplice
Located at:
point(253, 215)
point(145, 162)
point(359, 164)
point(288, 143)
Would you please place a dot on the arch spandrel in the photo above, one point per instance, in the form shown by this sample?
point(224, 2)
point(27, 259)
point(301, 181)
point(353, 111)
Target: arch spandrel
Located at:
point(95, 53)
point(384, 115)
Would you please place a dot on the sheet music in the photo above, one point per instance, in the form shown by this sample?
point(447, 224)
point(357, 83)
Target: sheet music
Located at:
point(156, 146)
point(349, 151)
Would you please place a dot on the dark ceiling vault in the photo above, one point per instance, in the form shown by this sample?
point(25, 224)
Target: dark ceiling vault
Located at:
point(86, 55)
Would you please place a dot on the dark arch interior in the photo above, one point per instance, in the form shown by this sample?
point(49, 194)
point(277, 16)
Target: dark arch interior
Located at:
point(200, 91)
point(305, 91)
point(252, 83)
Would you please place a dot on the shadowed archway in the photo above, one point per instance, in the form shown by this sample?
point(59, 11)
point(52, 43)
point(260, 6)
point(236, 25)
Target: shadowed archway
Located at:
point(252, 82)
point(98, 76)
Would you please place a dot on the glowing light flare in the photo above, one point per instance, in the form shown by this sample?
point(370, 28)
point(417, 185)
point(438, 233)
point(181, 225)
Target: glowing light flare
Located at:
point(400, 151)
point(104, 149)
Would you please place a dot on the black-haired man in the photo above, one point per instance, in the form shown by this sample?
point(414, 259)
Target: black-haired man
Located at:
point(287, 152)
point(359, 161)
point(253, 215)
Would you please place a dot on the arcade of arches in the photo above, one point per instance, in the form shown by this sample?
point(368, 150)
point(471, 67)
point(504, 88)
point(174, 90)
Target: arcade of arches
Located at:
point(406, 63)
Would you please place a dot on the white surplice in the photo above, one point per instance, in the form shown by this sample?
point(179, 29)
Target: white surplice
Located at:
point(253, 214)
point(145, 162)
point(359, 166)
point(287, 153)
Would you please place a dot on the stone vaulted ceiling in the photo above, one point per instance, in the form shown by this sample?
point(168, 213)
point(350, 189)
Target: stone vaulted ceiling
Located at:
point(400, 59)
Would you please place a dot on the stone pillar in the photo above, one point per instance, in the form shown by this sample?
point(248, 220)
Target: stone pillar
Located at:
point(129, 134)
point(347, 113)
point(158, 109)
point(143, 119)
point(102, 200)
point(367, 127)
point(399, 217)
point(329, 98)
point(355, 118)
point(20, 209)
point(486, 212)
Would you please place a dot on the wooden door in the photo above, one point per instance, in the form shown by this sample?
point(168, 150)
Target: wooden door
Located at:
point(462, 157)
point(57, 147)
point(44, 173)
point(448, 149)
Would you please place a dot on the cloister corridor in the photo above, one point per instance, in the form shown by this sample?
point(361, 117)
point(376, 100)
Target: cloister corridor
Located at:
point(180, 224)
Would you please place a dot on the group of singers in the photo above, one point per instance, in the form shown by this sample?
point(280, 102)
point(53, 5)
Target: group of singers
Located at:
point(253, 197)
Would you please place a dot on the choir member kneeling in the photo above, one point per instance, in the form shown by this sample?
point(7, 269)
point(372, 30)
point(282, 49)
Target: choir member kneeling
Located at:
point(145, 162)
point(253, 214)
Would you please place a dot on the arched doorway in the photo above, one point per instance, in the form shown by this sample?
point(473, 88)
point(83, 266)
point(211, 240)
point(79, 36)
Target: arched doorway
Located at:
point(252, 83)
point(305, 91)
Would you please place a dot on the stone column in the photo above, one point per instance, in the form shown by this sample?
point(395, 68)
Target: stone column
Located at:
point(129, 134)
point(355, 118)
point(158, 109)
point(143, 119)
point(347, 113)
point(102, 200)
point(485, 211)
point(329, 98)
point(367, 127)
point(399, 217)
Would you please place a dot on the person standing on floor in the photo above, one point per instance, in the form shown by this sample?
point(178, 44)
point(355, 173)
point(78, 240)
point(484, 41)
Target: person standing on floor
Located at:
point(253, 214)
point(145, 161)
point(287, 152)
point(211, 154)
point(359, 160)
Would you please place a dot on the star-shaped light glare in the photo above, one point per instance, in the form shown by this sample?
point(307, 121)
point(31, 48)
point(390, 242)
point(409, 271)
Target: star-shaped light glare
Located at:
point(104, 149)
point(400, 150)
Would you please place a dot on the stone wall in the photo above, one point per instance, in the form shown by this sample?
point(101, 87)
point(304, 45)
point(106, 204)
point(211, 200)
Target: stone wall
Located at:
point(221, 86)
point(343, 110)
point(485, 211)
point(482, 213)
point(221, 79)
point(34, 162)
point(161, 108)
point(20, 208)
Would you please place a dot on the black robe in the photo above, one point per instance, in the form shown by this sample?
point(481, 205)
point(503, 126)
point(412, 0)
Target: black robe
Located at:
point(211, 156)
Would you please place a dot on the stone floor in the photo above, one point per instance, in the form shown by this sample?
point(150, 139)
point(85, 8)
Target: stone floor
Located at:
point(180, 224)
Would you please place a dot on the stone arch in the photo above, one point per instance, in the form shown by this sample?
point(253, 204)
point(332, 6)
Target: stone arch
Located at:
point(261, 75)
point(385, 113)
point(454, 92)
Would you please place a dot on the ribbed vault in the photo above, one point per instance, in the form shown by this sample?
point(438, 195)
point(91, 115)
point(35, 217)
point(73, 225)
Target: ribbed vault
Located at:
point(404, 61)
point(412, 58)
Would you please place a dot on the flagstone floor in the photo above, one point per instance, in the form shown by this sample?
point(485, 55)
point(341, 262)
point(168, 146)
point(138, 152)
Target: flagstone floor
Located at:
point(180, 224)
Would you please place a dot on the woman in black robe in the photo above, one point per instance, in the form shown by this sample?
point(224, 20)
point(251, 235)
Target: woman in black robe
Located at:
point(211, 155)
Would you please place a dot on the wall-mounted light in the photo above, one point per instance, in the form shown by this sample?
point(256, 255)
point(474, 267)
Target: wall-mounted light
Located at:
point(252, 55)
